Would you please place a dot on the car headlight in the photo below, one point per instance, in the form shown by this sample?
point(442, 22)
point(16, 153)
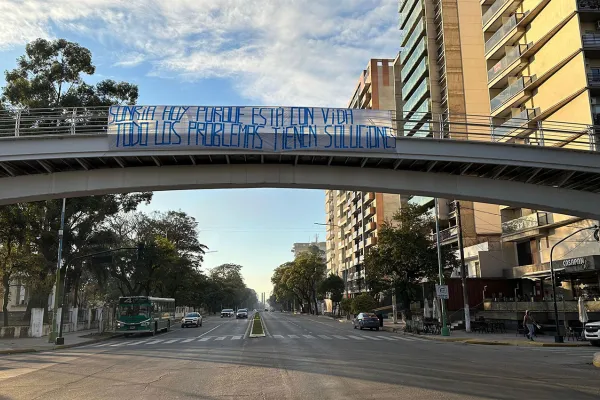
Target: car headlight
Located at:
point(119, 324)
point(145, 323)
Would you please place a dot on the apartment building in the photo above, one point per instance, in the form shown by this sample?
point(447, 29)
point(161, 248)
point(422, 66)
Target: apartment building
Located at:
point(543, 65)
point(353, 217)
point(444, 81)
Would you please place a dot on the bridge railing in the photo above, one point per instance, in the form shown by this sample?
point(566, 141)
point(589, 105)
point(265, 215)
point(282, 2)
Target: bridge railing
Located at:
point(524, 128)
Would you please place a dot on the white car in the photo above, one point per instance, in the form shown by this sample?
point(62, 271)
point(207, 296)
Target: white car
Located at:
point(592, 333)
point(192, 318)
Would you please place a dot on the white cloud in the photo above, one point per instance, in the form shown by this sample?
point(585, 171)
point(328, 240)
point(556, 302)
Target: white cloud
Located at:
point(275, 51)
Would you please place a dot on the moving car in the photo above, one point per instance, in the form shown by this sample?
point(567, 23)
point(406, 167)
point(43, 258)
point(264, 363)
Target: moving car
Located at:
point(366, 320)
point(227, 312)
point(192, 318)
point(592, 333)
point(241, 313)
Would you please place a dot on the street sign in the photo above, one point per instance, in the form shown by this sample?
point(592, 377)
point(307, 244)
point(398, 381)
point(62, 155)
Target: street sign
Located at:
point(441, 291)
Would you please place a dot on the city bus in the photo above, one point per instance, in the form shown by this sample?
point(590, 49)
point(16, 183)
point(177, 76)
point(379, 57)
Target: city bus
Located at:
point(145, 314)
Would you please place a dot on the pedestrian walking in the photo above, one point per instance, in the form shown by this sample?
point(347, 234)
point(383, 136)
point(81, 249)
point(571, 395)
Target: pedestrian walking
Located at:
point(530, 323)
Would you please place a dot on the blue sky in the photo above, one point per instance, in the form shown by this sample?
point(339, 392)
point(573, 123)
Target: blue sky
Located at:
point(228, 52)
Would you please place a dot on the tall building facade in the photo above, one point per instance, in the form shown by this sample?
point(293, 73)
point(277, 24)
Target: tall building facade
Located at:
point(298, 248)
point(543, 65)
point(353, 217)
point(443, 77)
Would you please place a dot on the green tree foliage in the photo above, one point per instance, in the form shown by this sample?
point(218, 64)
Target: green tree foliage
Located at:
point(49, 74)
point(333, 288)
point(346, 306)
point(363, 303)
point(300, 279)
point(405, 255)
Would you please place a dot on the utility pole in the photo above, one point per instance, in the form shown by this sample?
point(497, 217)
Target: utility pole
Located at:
point(56, 320)
point(445, 330)
point(463, 273)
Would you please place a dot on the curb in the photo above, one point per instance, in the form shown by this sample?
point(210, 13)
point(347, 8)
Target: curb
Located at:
point(55, 347)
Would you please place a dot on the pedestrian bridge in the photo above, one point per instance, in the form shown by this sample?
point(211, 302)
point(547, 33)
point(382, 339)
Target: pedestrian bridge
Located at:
point(77, 152)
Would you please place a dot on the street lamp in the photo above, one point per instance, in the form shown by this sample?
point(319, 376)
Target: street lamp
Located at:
point(559, 338)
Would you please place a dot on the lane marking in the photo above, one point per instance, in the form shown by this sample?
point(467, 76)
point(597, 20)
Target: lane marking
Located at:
point(155, 341)
point(171, 341)
point(236, 337)
point(101, 345)
point(278, 336)
point(339, 337)
point(117, 344)
point(293, 337)
point(406, 339)
point(221, 338)
point(188, 340)
point(385, 338)
point(207, 332)
point(355, 337)
point(204, 339)
point(309, 336)
point(136, 343)
point(370, 337)
point(324, 337)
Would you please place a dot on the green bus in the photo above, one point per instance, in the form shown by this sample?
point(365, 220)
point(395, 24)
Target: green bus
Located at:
point(145, 314)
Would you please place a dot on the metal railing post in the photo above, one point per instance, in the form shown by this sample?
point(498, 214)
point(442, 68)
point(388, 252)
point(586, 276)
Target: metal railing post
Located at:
point(73, 122)
point(541, 133)
point(18, 123)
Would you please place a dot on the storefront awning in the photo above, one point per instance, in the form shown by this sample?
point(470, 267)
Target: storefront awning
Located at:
point(541, 274)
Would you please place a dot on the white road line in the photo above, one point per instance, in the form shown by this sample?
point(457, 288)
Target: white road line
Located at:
point(405, 338)
point(209, 331)
point(309, 336)
point(385, 338)
point(236, 337)
point(204, 339)
point(101, 345)
point(355, 337)
point(293, 337)
point(324, 337)
point(171, 341)
point(188, 340)
point(370, 337)
point(339, 337)
point(136, 343)
point(155, 341)
point(221, 338)
point(278, 336)
point(117, 344)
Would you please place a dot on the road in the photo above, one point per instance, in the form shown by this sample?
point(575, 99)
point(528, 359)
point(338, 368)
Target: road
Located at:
point(302, 357)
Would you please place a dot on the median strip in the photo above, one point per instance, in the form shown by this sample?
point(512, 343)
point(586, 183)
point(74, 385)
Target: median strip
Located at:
point(257, 329)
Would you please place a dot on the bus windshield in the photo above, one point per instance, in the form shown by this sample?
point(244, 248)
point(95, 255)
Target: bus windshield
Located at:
point(132, 310)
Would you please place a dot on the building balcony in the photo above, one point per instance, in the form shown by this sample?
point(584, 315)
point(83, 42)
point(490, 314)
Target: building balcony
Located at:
point(506, 63)
point(516, 126)
point(449, 235)
point(510, 29)
point(525, 226)
point(369, 211)
point(589, 10)
point(371, 241)
point(591, 44)
point(491, 18)
point(369, 197)
point(501, 101)
point(371, 226)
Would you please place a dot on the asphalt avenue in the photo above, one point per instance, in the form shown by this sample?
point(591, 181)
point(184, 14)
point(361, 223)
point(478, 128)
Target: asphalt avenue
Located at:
point(302, 357)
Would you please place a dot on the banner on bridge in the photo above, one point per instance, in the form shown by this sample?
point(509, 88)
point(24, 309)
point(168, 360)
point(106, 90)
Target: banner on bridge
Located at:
point(260, 129)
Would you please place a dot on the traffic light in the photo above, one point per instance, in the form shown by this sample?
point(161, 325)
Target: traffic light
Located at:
point(140, 250)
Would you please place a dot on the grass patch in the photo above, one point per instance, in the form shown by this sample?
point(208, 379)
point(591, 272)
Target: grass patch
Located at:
point(257, 327)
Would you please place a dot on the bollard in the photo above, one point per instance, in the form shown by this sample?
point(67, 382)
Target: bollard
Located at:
point(596, 361)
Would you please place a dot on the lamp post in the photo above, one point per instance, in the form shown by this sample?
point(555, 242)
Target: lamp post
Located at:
point(445, 330)
point(558, 338)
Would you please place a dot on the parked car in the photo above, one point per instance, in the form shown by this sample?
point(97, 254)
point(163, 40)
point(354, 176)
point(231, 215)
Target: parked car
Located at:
point(241, 313)
point(592, 333)
point(366, 320)
point(227, 312)
point(192, 318)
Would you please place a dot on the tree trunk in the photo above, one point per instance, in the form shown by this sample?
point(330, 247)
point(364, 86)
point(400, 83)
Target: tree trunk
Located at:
point(6, 287)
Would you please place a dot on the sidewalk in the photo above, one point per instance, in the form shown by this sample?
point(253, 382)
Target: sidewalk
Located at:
point(499, 339)
point(72, 339)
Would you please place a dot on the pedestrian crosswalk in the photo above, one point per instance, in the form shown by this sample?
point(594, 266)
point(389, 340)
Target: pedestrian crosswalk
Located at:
point(227, 338)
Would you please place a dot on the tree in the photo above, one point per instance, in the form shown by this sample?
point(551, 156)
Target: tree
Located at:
point(49, 74)
point(346, 306)
point(363, 303)
point(405, 255)
point(310, 266)
point(333, 287)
